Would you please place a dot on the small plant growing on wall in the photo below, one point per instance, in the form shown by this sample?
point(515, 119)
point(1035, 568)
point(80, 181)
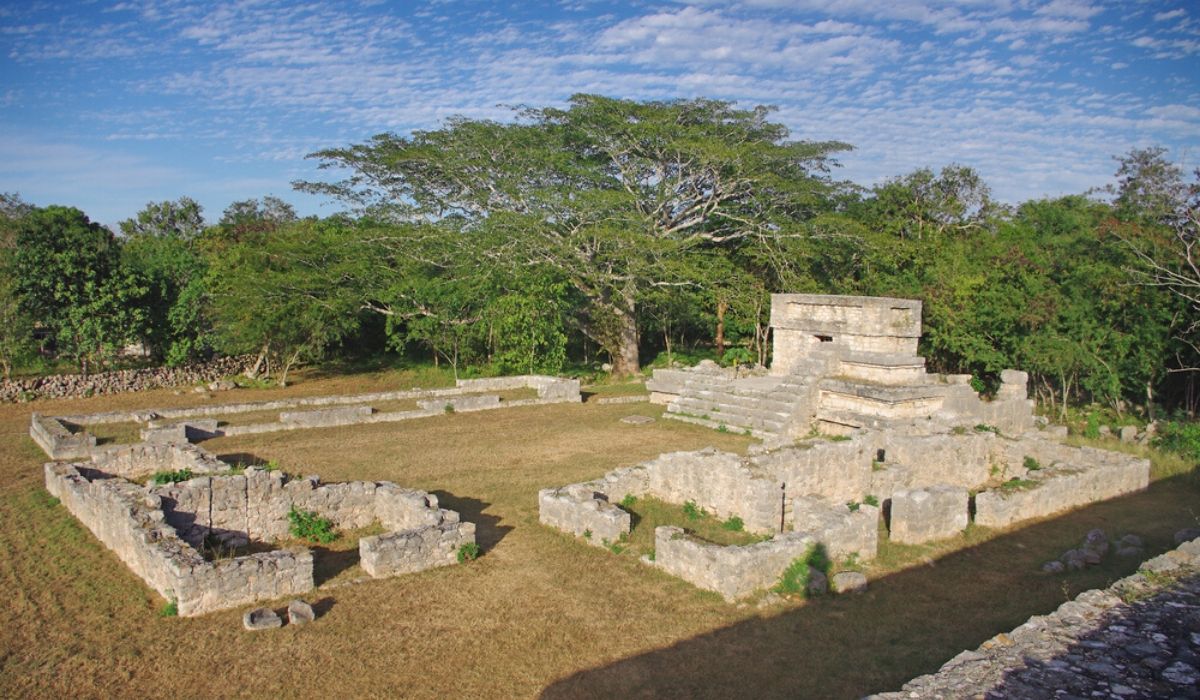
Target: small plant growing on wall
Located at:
point(629, 501)
point(795, 578)
point(692, 511)
point(175, 477)
point(307, 525)
point(171, 609)
point(467, 551)
point(734, 524)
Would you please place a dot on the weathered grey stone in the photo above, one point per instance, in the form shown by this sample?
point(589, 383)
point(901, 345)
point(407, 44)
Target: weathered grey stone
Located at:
point(1131, 540)
point(925, 515)
point(1128, 433)
point(300, 613)
point(1186, 535)
point(261, 619)
point(1054, 567)
point(637, 420)
point(1095, 544)
point(848, 582)
point(1160, 564)
point(1075, 559)
point(1105, 431)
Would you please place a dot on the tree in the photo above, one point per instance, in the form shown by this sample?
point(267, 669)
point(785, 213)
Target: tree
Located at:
point(249, 219)
point(273, 296)
point(70, 282)
point(162, 248)
point(607, 193)
point(16, 328)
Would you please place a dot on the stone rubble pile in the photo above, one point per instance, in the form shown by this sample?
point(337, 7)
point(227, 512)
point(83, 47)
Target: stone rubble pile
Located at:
point(65, 386)
point(1139, 638)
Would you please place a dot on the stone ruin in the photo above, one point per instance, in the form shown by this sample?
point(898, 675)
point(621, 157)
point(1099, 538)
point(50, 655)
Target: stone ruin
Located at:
point(926, 451)
point(841, 363)
point(159, 532)
point(55, 436)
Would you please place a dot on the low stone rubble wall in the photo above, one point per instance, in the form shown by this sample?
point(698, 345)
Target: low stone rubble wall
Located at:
point(1134, 639)
point(842, 530)
point(717, 482)
point(555, 389)
point(734, 572)
point(62, 386)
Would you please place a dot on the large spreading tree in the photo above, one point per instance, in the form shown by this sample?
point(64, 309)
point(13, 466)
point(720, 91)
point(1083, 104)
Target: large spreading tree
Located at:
point(609, 194)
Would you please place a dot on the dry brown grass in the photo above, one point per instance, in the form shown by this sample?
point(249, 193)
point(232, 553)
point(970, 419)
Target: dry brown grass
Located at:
point(538, 613)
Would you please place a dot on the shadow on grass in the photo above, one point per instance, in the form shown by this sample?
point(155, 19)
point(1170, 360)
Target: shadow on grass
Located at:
point(328, 563)
point(488, 530)
point(907, 624)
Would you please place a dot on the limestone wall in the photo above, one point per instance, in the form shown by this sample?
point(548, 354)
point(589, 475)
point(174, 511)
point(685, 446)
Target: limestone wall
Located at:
point(57, 441)
point(1092, 476)
point(412, 550)
point(719, 483)
point(325, 417)
point(254, 506)
point(841, 530)
point(838, 471)
point(733, 572)
point(143, 459)
point(803, 322)
point(553, 388)
point(583, 512)
point(131, 523)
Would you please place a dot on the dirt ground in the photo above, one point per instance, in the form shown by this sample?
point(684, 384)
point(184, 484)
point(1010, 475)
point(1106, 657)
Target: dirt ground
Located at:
point(538, 613)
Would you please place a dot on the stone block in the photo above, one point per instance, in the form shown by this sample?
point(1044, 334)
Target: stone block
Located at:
point(924, 515)
point(345, 415)
point(848, 582)
point(261, 619)
point(461, 403)
point(1128, 433)
point(300, 613)
point(637, 420)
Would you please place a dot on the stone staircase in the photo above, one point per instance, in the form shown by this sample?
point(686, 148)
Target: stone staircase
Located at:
point(763, 406)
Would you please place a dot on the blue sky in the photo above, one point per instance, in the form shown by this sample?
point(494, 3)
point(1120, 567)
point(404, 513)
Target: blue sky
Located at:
point(108, 105)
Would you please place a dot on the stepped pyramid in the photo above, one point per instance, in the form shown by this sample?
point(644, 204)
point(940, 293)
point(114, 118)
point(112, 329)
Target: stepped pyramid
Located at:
point(841, 363)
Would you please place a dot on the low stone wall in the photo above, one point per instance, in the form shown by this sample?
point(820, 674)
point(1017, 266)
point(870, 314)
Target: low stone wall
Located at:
point(62, 386)
point(325, 417)
point(180, 432)
point(843, 531)
point(158, 530)
point(734, 572)
point(718, 482)
point(410, 551)
point(57, 441)
point(462, 403)
point(554, 389)
point(131, 523)
point(1095, 475)
point(579, 510)
point(143, 459)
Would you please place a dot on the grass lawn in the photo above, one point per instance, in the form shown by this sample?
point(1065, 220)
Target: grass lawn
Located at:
point(538, 613)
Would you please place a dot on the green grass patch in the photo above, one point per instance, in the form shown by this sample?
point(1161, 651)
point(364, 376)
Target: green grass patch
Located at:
point(796, 578)
point(1016, 484)
point(1031, 464)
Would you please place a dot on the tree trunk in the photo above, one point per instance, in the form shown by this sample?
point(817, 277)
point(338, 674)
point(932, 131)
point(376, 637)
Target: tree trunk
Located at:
point(722, 307)
point(252, 372)
point(625, 360)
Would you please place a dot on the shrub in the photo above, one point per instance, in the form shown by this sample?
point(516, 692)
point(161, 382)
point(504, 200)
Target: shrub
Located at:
point(1091, 431)
point(307, 525)
point(448, 408)
point(853, 506)
point(1180, 437)
point(734, 524)
point(871, 500)
point(692, 511)
point(161, 478)
point(587, 534)
point(629, 501)
point(1032, 464)
point(722, 428)
point(171, 609)
point(467, 551)
point(985, 428)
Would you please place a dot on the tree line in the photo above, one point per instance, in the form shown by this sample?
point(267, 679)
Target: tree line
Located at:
point(615, 231)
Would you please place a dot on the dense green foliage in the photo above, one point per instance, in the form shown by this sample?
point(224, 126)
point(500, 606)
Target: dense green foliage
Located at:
point(614, 230)
point(307, 525)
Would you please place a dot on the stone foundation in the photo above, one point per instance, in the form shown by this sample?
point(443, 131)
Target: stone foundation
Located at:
point(734, 572)
point(158, 530)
